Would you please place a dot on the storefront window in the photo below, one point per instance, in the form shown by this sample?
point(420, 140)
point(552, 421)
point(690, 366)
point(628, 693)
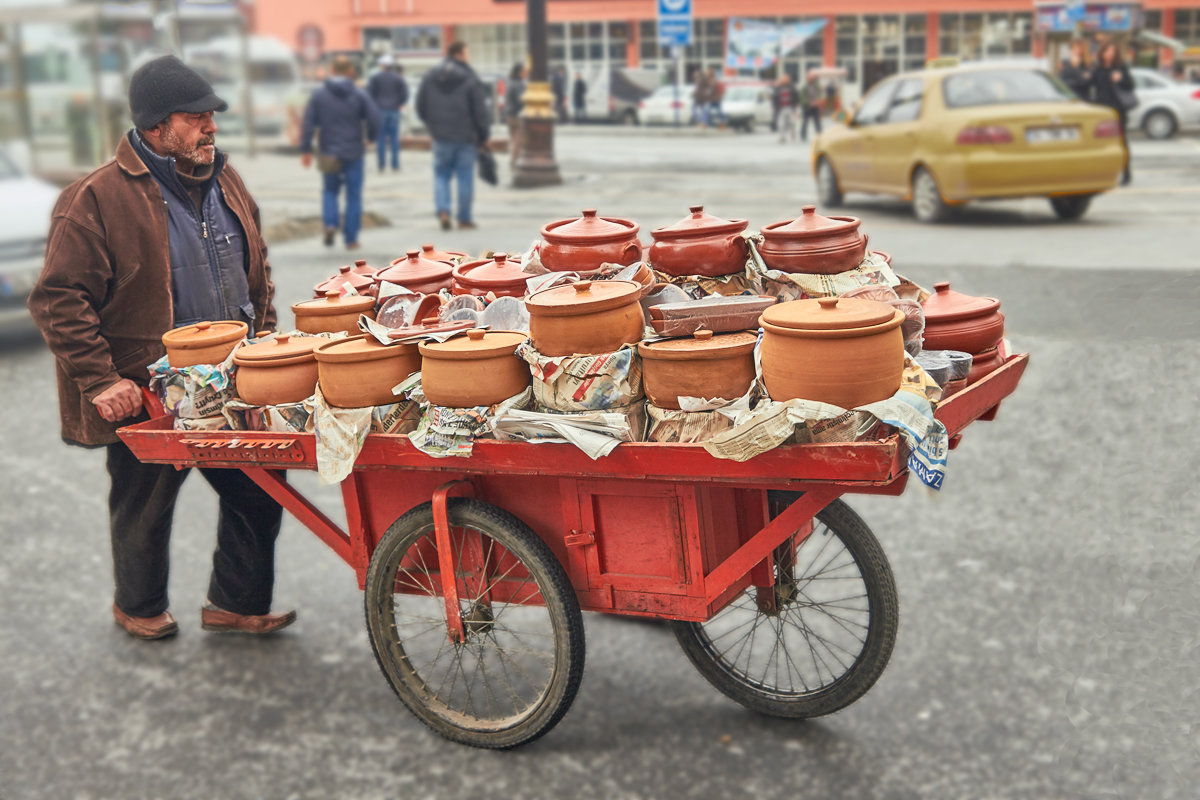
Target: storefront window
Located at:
point(1187, 25)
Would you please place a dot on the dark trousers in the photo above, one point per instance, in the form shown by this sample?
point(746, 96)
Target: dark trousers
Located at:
point(141, 504)
point(813, 113)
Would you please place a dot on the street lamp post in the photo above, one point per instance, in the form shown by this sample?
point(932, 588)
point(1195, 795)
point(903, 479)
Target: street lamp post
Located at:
point(535, 158)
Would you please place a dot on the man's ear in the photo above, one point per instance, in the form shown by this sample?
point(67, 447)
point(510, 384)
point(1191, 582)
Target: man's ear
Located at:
point(154, 134)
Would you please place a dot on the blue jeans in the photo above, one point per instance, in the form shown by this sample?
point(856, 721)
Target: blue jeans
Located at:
point(389, 138)
point(455, 159)
point(351, 174)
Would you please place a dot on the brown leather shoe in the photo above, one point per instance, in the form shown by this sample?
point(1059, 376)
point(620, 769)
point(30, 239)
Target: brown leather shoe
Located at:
point(466, 226)
point(218, 619)
point(158, 627)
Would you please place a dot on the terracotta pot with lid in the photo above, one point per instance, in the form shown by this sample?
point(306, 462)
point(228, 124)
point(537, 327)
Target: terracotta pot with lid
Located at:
point(203, 343)
point(479, 369)
point(332, 313)
point(956, 321)
point(700, 244)
point(278, 370)
point(984, 363)
point(703, 365)
point(431, 253)
point(346, 276)
point(844, 351)
point(813, 243)
point(587, 317)
point(358, 372)
point(418, 274)
point(584, 244)
point(499, 275)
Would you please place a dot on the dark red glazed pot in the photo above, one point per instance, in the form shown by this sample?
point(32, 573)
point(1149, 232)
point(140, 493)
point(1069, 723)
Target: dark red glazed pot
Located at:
point(700, 244)
point(814, 244)
point(956, 321)
point(583, 245)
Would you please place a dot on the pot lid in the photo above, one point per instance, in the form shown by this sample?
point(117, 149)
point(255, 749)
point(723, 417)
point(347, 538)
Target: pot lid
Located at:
point(345, 277)
point(498, 272)
point(361, 267)
point(279, 349)
point(478, 343)
point(583, 297)
point(829, 313)
point(431, 253)
point(205, 334)
point(415, 269)
point(947, 305)
point(589, 229)
point(359, 348)
point(701, 345)
point(334, 302)
point(699, 224)
point(811, 225)
point(431, 325)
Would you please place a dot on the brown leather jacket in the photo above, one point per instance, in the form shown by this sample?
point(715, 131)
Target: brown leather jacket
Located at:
point(103, 300)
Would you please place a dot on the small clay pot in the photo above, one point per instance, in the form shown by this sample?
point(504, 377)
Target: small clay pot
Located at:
point(814, 244)
point(700, 244)
point(984, 363)
point(358, 372)
point(346, 276)
point(704, 365)
point(418, 274)
point(499, 275)
point(479, 369)
point(585, 318)
point(846, 352)
point(333, 313)
point(956, 321)
point(277, 370)
point(585, 244)
point(203, 343)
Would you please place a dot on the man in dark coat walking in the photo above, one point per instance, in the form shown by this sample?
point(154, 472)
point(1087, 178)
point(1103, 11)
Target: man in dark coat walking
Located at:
point(389, 90)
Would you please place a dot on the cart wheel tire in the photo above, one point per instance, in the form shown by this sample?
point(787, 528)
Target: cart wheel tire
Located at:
point(830, 639)
point(927, 202)
point(1069, 207)
point(518, 669)
point(828, 191)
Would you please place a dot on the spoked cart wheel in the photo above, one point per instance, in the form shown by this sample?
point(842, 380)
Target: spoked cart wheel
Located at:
point(518, 665)
point(819, 638)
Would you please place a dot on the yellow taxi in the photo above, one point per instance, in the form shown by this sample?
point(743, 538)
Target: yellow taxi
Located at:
point(945, 135)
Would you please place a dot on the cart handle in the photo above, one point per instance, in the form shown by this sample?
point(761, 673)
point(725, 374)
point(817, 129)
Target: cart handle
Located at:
point(441, 529)
point(151, 403)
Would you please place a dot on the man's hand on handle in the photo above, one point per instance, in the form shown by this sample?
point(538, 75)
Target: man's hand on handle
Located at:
point(306, 160)
point(121, 400)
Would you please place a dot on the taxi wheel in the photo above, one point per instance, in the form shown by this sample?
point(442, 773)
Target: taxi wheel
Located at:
point(828, 191)
point(927, 202)
point(1071, 206)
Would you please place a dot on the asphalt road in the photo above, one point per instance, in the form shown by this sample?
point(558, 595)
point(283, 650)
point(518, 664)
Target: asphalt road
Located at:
point(1049, 592)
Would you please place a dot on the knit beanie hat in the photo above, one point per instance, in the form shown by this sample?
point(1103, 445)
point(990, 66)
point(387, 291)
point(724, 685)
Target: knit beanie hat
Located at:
point(165, 85)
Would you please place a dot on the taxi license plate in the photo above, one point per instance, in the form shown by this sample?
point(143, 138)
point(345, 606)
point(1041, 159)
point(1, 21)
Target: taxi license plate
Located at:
point(1064, 134)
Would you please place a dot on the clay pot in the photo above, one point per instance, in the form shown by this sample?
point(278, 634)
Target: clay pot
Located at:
point(346, 276)
point(700, 244)
point(203, 343)
point(277, 370)
point(333, 313)
point(983, 363)
point(955, 321)
point(702, 366)
point(813, 243)
point(430, 253)
point(587, 317)
point(418, 274)
point(499, 275)
point(846, 352)
point(583, 245)
point(479, 369)
point(360, 372)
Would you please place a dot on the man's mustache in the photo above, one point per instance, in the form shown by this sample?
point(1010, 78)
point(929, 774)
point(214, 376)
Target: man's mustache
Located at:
point(206, 141)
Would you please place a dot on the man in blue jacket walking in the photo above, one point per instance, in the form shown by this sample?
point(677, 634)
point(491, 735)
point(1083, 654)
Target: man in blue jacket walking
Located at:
point(344, 115)
point(389, 90)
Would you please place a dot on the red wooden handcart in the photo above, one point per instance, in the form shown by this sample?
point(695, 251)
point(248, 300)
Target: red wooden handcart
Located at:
point(475, 570)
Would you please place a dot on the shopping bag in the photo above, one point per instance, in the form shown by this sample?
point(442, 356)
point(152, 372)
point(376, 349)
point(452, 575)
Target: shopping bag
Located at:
point(487, 166)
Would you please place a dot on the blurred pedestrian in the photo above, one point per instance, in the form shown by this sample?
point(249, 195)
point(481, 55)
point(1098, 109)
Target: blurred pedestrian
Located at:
point(558, 87)
point(1076, 71)
point(700, 98)
point(579, 97)
point(162, 236)
point(514, 102)
point(389, 90)
point(1112, 86)
point(452, 105)
point(342, 115)
point(784, 99)
point(810, 107)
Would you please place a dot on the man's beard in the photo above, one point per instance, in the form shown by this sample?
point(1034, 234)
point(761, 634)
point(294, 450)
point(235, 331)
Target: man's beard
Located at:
point(195, 156)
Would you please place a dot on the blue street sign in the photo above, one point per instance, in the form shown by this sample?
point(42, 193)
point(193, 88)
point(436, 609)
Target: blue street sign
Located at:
point(675, 22)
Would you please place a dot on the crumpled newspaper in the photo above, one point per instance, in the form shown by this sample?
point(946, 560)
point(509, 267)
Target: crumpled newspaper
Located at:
point(584, 383)
point(696, 420)
point(195, 392)
point(283, 418)
point(444, 431)
point(203, 424)
point(872, 270)
point(594, 432)
point(341, 432)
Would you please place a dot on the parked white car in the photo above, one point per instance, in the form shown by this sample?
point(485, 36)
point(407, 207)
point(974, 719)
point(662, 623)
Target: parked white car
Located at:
point(744, 105)
point(660, 107)
point(26, 203)
point(1165, 106)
